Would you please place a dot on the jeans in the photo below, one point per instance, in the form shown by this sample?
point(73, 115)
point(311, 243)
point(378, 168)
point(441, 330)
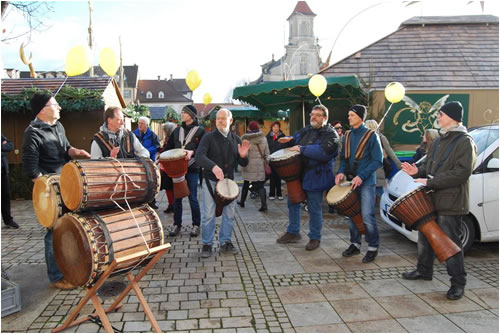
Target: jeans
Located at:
point(208, 218)
point(314, 199)
point(192, 182)
point(52, 268)
point(455, 264)
point(366, 194)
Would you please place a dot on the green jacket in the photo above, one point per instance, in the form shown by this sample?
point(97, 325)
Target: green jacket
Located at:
point(450, 180)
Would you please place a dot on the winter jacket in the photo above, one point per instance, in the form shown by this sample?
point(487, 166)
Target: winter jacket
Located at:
point(192, 145)
point(255, 170)
point(369, 162)
point(149, 140)
point(98, 150)
point(45, 148)
point(274, 144)
point(7, 147)
point(388, 152)
point(319, 147)
point(450, 176)
point(216, 149)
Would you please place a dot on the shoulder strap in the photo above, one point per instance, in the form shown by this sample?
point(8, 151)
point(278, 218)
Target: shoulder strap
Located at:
point(261, 155)
point(347, 144)
point(362, 144)
point(101, 136)
point(128, 142)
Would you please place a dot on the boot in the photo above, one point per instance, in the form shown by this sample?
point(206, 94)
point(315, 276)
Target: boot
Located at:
point(244, 193)
point(263, 201)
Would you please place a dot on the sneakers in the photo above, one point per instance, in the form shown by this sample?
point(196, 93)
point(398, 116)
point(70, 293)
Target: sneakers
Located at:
point(456, 292)
point(312, 244)
point(288, 238)
point(352, 250)
point(370, 256)
point(414, 275)
point(195, 231)
point(169, 209)
point(206, 251)
point(228, 248)
point(12, 224)
point(63, 285)
point(271, 197)
point(175, 232)
point(280, 198)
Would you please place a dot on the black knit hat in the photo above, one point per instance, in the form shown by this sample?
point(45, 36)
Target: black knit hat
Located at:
point(38, 101)
point(454, 110)
point(360, 110)
point(191, 110)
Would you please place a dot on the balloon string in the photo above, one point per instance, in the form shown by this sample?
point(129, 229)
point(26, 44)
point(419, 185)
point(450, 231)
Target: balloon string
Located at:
point(61, 86)
point(382, 120)
point(317, 99)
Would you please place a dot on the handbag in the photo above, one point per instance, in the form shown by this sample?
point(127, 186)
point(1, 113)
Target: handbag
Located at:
point(387, 166)
point(267, 168)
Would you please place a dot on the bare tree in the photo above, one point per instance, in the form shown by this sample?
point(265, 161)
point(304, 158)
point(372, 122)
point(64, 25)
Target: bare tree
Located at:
point(229, 95)
point(33, 12)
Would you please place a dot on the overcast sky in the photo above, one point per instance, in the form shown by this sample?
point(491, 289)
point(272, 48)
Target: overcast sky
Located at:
point(225, 41)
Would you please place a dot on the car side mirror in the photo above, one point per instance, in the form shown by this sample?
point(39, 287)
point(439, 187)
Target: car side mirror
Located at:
point(493, 164)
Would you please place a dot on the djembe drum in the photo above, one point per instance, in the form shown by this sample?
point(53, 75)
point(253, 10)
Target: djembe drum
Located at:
point(85, 244)
point(47, 200)
point(344, 198)
point(288, 165)
point(226, 191)
point(176, 166)
point(103, 183)
point(416, 210)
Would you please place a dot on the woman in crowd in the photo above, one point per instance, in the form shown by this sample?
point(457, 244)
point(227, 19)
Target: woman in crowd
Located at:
point(429, 136)
point(255, 171)
point(166, 181)
point(274, 145)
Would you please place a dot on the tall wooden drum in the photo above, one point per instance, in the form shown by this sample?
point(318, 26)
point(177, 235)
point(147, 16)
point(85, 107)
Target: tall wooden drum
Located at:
point(344, 198)
point(176, 166)
point(226, 191)
point(288, 165)
point(90, 184)
point(47, 200)
point(85, 244)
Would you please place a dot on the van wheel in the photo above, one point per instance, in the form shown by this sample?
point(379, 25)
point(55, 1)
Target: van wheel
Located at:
point(467, 233)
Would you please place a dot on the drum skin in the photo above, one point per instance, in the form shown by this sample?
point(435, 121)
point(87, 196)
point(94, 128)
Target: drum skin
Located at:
point(94, 183)
point(176, 166)
point(346, 199)
point(288, 165)
point(85, 244)
point(226, 191)
point(47, 201)
point(416, 210)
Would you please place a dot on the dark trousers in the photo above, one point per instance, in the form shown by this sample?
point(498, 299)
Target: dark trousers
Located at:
point(455, 264)
point(7, 218)
point(274, 184)
point(192, 182)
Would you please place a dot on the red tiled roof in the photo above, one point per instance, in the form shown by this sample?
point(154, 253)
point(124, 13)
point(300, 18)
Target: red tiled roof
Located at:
point(155, 86)
point(16, 86)
point(303, 8)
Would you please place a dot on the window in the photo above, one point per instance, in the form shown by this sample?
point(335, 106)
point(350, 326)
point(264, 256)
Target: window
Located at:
point(149, 95)
point(126, 94)
point(161, 95)
point(303, 64)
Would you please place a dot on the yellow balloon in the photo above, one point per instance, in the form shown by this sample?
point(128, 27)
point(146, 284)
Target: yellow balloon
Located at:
point(317, 85)
point(207, 98)
point(108, 62)
point(77, 61)
point(394, 92)
point(193, 80)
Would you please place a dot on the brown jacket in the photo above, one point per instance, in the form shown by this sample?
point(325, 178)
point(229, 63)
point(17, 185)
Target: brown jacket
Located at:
point(450, 180)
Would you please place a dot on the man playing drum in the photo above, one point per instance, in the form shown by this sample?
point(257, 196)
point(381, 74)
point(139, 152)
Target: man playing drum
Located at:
point(318, 145)
point(449, 164)
point(114, 141)
point(360, 158)
point(188, 136)
point(218, 154)
point(45, 150)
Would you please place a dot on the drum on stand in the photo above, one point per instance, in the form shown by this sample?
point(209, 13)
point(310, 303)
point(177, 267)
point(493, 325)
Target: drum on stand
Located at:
point(417, 211)
point(226, 191)
point(85, 244)
point(90, 184)
point(47, 200)
point(344, 198)
point(288, 165)
point(176, 166)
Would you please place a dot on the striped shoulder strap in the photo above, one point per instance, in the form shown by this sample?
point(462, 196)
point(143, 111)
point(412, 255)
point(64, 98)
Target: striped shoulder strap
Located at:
point(347, 144)
point(361, 145)
point(100, 136)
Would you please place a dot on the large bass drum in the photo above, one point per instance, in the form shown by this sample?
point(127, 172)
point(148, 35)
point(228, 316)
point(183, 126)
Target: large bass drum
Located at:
point(288, 165)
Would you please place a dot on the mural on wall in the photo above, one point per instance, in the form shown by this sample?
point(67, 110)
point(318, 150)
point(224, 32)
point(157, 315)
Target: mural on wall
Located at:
point(407, 121)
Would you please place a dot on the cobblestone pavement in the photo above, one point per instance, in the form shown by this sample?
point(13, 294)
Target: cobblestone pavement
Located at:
point(269, 287)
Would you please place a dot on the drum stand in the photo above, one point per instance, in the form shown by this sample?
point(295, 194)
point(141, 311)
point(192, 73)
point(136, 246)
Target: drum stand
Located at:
point(100, 311)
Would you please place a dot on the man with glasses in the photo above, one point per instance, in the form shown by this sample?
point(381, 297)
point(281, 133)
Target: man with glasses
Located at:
point(45, 150)
point(449, 164)
point(318, 145)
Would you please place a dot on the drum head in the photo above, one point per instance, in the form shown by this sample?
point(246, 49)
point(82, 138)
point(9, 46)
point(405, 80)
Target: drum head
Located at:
point(71, 186)
point(227, 188)
point(283, 154)
point(72, 250)
point(403, 197)
point(337, 194)
point(173, 154)
point(45, 200)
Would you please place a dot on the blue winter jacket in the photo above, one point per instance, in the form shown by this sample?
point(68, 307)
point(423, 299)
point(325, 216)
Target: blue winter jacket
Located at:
point(369, 162)
point(149, 140)
point(318, 148)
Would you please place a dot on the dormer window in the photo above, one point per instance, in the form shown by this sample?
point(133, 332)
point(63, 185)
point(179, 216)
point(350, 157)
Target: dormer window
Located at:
point(161, 95)
point(149, 95)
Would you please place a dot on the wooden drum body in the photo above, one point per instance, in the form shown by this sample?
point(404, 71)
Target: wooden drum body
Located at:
point(416, 210)
point(86, 244)
point(226, 191)
point(288, 165)
point(346, 200)
point(47, 200)
point(89, 184)
point(176, 166)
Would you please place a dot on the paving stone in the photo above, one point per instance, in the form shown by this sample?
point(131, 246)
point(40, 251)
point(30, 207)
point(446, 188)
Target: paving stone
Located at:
point(198, 313)
point(177, 315)
point(235, 322)
point(219, 312)
point(310, 314)
point(429, 324)
point(355, 310)
point(210, 323)
point(136, 326)
point(234, 302)
point(166, 326)
point(139, 316)
point(308, 294)
point(442, 304)
point(182, 325)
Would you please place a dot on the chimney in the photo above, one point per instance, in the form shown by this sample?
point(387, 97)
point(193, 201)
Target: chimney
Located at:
point(171, 77)
point(159, 78)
